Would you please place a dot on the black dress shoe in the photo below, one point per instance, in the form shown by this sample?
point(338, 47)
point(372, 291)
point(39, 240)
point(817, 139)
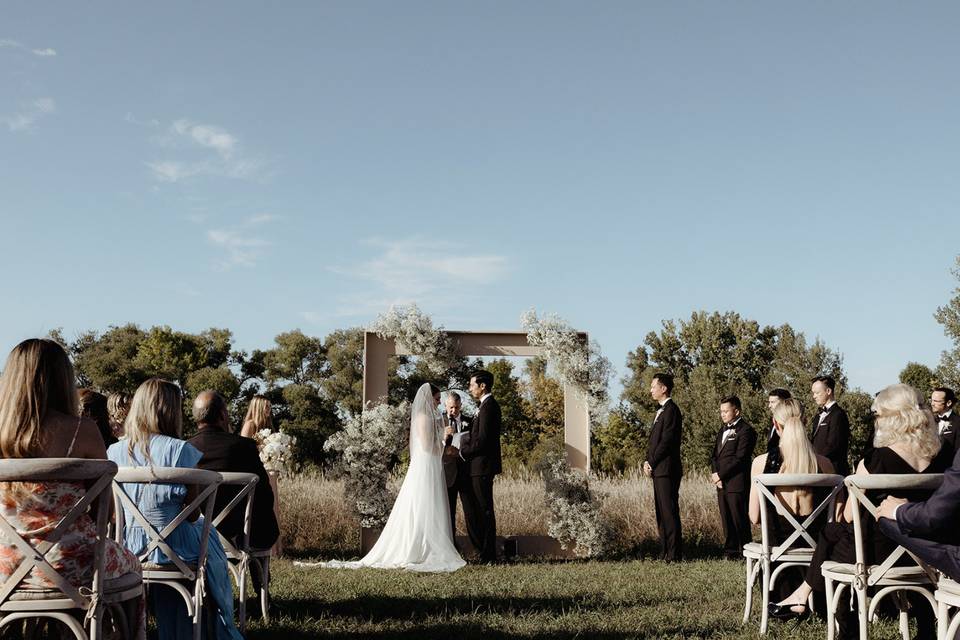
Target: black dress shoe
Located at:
point(787, 612)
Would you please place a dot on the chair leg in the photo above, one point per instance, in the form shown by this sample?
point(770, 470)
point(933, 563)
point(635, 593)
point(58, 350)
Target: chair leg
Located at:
point(862, 608)
point(831, 609)
point(764, 594)
point(242, 587)
point(943, 619)
point(197, 608)
point(748, 598)
point(265, 591)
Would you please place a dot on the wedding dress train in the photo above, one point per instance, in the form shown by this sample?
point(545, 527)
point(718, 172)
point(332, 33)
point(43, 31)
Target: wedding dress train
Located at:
point(417, 535)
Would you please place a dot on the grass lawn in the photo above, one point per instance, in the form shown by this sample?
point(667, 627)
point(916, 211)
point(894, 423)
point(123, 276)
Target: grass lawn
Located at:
point(633, 599)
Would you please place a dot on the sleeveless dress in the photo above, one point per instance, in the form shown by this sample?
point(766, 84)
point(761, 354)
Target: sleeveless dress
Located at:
point(35, 509)
point(417, 534)
point(161, 503)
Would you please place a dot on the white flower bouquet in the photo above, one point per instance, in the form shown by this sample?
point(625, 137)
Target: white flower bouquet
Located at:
point(276, 450)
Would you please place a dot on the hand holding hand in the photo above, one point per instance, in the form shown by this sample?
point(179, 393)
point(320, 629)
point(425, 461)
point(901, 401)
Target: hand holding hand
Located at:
point(889, 506)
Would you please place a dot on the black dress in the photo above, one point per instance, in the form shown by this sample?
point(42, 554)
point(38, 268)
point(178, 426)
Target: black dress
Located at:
point(837, 543)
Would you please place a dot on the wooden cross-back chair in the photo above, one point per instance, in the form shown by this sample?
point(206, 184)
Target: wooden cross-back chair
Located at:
point(19, 601)
point(186, 578)
point(883, 576)
point(241, 555)
point(766, 560)
point(948, 608)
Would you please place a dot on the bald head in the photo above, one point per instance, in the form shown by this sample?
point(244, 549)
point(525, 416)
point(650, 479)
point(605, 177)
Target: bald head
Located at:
point(210, 410)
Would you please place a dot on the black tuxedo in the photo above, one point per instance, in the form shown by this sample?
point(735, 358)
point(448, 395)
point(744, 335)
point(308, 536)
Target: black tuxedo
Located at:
point(224, 451)
point(773, 451)
point(481, 453)
point(831, 437)
point(929, 528)
point(451, 470)
point(949, 436)
point(731, 461)
point(663, 456)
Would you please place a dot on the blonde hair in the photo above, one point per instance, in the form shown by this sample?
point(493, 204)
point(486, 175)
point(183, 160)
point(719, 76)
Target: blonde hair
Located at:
point(37, 379)
point(118, 406)
point(786, 409)
point(258, 415)
point(156, 409)
point(901, 417)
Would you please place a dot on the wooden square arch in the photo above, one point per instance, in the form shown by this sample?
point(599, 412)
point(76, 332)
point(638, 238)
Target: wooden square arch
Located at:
point(576, 414)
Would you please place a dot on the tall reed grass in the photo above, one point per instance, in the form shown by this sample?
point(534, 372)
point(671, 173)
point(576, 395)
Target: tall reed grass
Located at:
point(317, 520)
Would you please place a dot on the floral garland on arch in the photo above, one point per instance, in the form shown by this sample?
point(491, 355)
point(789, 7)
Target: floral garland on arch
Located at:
point(367, 445)
point(577, 364)
point(575, 518)
point(414, 330)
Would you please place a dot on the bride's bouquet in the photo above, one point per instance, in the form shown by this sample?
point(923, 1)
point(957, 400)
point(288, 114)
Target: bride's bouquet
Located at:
point(276, 450)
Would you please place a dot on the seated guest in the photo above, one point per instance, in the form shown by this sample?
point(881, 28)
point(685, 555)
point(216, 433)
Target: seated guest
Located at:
point(905, 442)
point(929, 528)
point(942, 401)
point(794, 455)
point(153, 429)
point(259, 416)
point(40, 418)
point(225, 451)
point(118, 405)
point(93, 405)
point(797, 456)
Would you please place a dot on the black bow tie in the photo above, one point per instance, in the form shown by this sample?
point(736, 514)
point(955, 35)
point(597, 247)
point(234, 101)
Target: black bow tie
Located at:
point(824, 409)
point(943, 417)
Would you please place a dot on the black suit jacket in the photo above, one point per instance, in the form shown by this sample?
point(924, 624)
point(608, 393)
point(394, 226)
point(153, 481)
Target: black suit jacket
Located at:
point(732, 462)
point(663, 452)
point(451, 467)
point(224, 451)
point(950, 436)
point(832, 438)
point(482, 450)
point(938, 518)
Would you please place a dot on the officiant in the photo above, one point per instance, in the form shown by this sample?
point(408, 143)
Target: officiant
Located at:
point(451, 466)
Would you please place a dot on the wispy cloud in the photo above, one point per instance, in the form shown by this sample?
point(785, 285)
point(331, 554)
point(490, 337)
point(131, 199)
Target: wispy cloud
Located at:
point(416, 269)
point(153, 122)
point(8, 43)
point(243, 245)
point(219, 152)
point(26, 118)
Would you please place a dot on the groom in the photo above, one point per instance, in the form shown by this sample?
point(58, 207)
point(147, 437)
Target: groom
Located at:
point(481, 455)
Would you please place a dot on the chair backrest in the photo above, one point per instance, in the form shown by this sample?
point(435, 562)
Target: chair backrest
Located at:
point(54, 470)
point(206, 481)
point(767, 484)
point(247, 482)
point(857, 486)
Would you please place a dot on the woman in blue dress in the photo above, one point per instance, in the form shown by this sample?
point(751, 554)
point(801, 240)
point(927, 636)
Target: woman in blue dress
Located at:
point(153, 429)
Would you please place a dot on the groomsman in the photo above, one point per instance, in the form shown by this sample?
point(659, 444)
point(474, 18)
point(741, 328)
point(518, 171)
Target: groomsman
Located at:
point(730, 463)
point(831, 427)
point(452, 467)
point(774, 460)
point(942, 401)
point(663, 464)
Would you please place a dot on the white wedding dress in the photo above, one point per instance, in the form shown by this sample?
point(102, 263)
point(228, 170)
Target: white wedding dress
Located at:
point(417, 535)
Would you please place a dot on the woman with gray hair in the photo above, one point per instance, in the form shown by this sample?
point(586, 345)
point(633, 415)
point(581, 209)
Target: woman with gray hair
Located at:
point(906, 442)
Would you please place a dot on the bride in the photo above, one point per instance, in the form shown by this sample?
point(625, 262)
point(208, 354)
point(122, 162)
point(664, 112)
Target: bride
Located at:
point(417, 535)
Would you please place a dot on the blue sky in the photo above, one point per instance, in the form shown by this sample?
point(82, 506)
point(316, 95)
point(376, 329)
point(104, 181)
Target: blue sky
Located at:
point(266, 166)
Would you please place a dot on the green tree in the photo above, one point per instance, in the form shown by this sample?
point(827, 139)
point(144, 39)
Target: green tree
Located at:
point(949, 318)
point(920, 377)
point(344, 381)
point(857, 403)
point(518, 438)
point(297, 358)
point(617, 445)
point(109, 361)
point(171, 355)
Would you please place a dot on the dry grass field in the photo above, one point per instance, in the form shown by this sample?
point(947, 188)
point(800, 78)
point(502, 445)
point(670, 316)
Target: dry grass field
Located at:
point(317, 520)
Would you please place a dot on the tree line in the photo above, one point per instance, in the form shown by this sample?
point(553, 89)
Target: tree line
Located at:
point(315, 384)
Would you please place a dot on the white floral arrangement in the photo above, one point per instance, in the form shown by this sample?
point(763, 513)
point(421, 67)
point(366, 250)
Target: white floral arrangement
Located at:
point(414, 330)
point(367, 445)
point(276, 450)
point(575, 518)
point(575, 363)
